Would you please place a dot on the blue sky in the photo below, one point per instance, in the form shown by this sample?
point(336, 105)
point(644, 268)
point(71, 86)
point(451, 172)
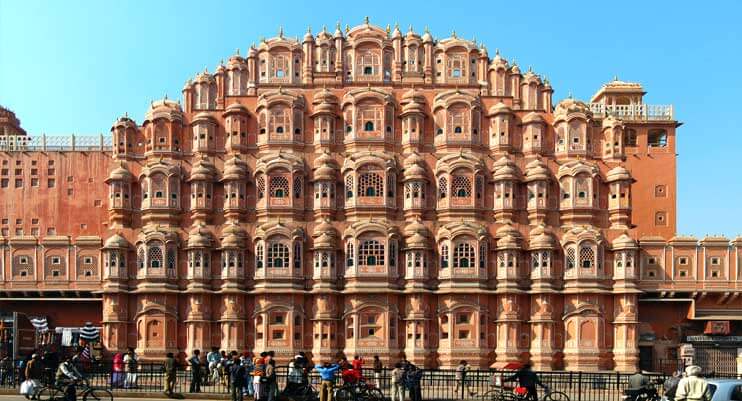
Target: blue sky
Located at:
point(74, 66)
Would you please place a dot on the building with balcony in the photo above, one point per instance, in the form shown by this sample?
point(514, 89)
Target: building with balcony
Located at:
point(369, 191)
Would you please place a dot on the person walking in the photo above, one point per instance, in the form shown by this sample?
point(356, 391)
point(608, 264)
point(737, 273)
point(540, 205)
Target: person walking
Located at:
point(195, 363)
point(295, 376)
point(247, 362)
point(212, 359)
point(259, 375)
point(692, 387)
point(461, 385)
point(413, 376)
point(378, 368)
point(170, 373)
point(398, 385)
point(118, 375)
point(236, 378)
point(327, 380)
point(270, 376)
point(529, 380)
point(671, 385)
point(130, 366)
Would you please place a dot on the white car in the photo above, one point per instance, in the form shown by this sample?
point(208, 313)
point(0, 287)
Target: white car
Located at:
point(725, 389)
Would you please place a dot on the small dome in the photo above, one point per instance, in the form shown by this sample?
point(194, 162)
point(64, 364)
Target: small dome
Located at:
point(202, 170)
point(120, 173)
point(618, 173)
point(325, 241)
point(611, 122)
point(498, 61)
point(416, 241)
point(235, 108)
point(124, 122)
point(427, 37)
point(623, 242)
point(396, 33)
point(515, 69)
point(571, 106)
point(164, 108)
point(416, 226)
point(252, 52)
point(325, 102)
point(539, 238)
point(203, 116)
point(233, 236)
point(234, 169)
point(505, 169)
point(204, 77)
point(199, 237)
point(236, 60)
point(116, 241)
point(326, 167)
point(533, 117)
point(500, 108)
point(413, 168)
point(536, 170)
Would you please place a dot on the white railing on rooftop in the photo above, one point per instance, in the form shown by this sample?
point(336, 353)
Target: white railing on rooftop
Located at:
point(634, 112)
point(67, 143)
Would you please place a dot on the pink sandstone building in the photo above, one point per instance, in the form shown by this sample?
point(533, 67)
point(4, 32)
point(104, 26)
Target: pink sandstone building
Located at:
point(370, 191)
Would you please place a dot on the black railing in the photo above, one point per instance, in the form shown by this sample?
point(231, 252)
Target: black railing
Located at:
point(439, 384)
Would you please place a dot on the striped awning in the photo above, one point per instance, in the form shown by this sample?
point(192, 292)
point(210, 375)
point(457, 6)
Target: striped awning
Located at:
point(39, 323)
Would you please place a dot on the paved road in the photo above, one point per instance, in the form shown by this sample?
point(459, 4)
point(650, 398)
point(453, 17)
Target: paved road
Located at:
point(5, 397)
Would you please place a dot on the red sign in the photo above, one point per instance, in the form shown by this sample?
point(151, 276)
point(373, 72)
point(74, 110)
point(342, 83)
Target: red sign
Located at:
point(717, 327)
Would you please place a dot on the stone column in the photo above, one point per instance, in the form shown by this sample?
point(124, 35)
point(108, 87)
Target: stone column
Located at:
point(542, 332)
point(625, 339)
point(508, 330)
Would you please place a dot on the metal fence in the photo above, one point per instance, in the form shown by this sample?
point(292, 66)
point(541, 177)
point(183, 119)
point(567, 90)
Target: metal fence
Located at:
point(438, 384)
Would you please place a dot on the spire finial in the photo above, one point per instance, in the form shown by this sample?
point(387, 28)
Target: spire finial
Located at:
point(530, 69)
point(497, 51)
point(426, 29)
point(569, 95)
point(337, 26)
point(453, 34)
point(388, 29)
point(615, 78)
point(309, 29)
point(324, 28)
point(280, 31)
point(365, 20)
point(166, 96)
point(126, 114)
point(347, 28)
point(410, 29)
point(238, 51)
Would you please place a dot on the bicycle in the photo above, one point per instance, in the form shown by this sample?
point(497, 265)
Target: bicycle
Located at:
point(88, 393)
point(500, 394)
point(360, 391)
point(303, 392)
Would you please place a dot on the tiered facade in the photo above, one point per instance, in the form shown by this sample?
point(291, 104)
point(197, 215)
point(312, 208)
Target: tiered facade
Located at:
point(366, 192)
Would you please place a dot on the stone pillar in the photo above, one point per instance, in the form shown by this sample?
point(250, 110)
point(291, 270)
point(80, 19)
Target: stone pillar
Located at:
point(115, 322)
point(542, 332)
point(508, 330)
point(625, 338)
point(232, 322)
point(198, 326)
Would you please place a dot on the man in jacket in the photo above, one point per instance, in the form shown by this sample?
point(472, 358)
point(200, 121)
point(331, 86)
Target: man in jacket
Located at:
point(327, 380)
point(692, 387)
point(671, 385)
point(195, 363)
point(236, 378)
point(528, 379)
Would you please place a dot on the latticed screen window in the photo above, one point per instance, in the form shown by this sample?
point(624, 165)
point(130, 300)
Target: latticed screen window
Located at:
point(155, 256)
point(393, 253)
point(444, 256)
point(297, 256)
point(171, 258)
point(545, 259)
point(483, 256)
point(349, 186)
point(370, 184)
point(279, 120)
point(463, 255)
point(297, 187)
point(280, 66)
point(461, 186)
point(278, 255)
point(369, 63)
point(259, 256)
point(349, 254)
point(371, 253)
point(279, 187)
point(480, 187)
point(260, 184)
point(458, 119)
point(535, 262)
point(456, 66)
point(371, 118)
point(587, 256)
point(442, 187)
point(390, 185)
point(140, 258)
point(570, 257)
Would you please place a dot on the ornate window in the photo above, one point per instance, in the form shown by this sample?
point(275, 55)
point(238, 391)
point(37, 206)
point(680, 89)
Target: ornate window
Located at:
point(280, 67)
point(259, 256)
point(278, 255)
point(463, 255)
point(370, 184)
point(279, 187)
point(370, 119)
point(482, 256)
point(458, 119)
point(349, 254)
point(369, 63)
point(371, 253)
point(461, 186)
point(442, 187)
point(171, 258)
point(392, 253)
point(444, 256)
point(390, 185)
point(297, 255)
point(456, 66)
point(371, 325)
point(260, 184)
point(279, 122)
point(297, 187)
point(140, 258)
point(349, 186)
point(570, 256)
point(587, 256)
point(155, 255)
point(480, 187)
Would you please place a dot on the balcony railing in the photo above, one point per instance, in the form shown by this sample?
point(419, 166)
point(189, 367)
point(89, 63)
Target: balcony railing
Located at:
point(72, 143)
point(634, 112)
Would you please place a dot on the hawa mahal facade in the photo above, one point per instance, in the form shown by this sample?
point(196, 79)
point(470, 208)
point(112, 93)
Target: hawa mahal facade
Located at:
point(367, 191)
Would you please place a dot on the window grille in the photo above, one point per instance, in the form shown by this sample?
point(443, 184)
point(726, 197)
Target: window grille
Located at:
point(370, 185)
point(463, 255)
point(297, 187)
point(371, 253)
point(297, 255)
point(442, 187)
point(444, 256)
point(155, 256)
point(259, 256)
point(278, 255)
point(587, 256)
point(279, 187)
point(349, 186)
point(570, 256)
point(349, 254)
point(461, 186)
point(171, 258)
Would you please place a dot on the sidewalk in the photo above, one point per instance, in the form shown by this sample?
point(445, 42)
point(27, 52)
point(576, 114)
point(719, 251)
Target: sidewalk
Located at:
point(6, 393)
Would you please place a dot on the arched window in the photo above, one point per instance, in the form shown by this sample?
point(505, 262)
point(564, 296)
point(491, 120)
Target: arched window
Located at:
point(279, 120)
point(349, 186)
point(371, 253)
point(259, 256)
point(657, 138)
point(370, 184)
point(279, 187)
point(442, 187)
point(482, 256)
point(444, 256)
point(155, 255)
point(461, 186)
point(297, 255)
point(140, 258)
point(368, 126)
point(369, 62)
point(349, 254)
point(570, 257)
point(458, 119)
point(260, 184)
point(587, 256)
point(297, 187)
point(278, 255)
point(463, 255)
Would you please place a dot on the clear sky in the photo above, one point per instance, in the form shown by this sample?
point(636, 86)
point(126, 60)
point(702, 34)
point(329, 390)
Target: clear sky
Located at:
point(74, 66)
